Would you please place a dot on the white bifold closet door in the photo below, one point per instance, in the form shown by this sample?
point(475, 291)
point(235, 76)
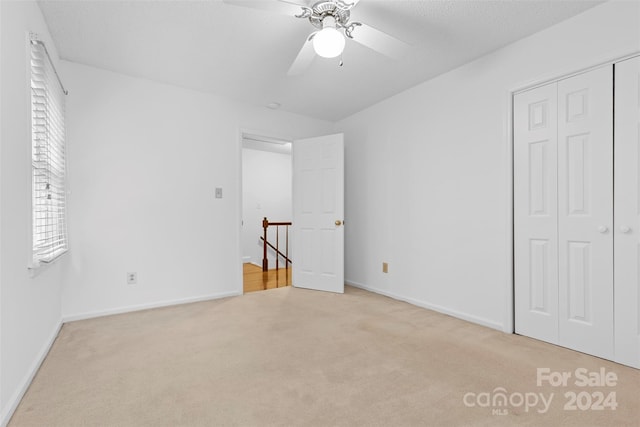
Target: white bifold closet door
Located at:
point(563, 212)
point(627, 212)
point(585, 212)
point(536, 213)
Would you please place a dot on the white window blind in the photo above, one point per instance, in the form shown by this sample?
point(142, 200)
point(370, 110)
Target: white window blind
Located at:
point(48, 158)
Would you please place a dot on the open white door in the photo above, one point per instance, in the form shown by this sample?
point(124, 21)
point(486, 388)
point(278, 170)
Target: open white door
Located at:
point(318, 213)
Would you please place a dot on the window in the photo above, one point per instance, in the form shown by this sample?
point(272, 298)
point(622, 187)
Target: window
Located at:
point(48, 158)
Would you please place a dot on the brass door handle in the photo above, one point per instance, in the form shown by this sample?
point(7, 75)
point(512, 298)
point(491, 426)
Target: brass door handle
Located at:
point(338, 222)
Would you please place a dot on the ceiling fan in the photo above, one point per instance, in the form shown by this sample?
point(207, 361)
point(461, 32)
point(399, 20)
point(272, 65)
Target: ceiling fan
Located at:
point(331, 18)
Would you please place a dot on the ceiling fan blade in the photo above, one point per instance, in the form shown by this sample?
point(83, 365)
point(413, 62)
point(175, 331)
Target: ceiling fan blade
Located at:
point(283, 7)
point(377, 40)
point(346, 4)
point(304, 58)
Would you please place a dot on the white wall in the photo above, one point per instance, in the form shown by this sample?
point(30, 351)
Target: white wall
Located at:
point(30, 307)
point(266, 192)
point(144, 161)
point(427, 171)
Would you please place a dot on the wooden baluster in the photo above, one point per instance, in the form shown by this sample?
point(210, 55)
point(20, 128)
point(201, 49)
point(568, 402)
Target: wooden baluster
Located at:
point(277, 247)
point(286, 262)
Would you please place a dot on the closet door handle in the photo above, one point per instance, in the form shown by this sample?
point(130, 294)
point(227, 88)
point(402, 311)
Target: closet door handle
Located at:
point(625, 229)
point(603, 229)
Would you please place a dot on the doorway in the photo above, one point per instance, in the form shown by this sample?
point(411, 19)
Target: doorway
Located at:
point(266, 203)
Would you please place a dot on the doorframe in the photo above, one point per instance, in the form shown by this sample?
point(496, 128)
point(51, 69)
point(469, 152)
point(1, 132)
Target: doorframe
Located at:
point(510, 283)
point(239, 190)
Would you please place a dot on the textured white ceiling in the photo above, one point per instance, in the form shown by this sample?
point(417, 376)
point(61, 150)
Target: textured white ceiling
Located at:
point(244, 54)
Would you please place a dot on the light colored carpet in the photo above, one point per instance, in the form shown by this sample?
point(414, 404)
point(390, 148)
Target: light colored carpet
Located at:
point(296, 357)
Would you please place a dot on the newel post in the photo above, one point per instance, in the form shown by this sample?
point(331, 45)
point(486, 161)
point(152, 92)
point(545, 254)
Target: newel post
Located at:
point(265, 261)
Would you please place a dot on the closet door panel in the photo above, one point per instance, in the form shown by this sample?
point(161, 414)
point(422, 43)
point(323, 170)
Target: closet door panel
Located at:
point(535, 213)
point(627, 212)
point(585, 212)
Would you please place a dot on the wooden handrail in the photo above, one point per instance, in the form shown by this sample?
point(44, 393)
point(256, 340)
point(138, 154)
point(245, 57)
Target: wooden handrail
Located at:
point(265, 244)
point(275, 249)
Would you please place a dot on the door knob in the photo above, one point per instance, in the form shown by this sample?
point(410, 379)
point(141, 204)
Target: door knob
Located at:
point(625, 229)
point(338, 222)
point(603, 229)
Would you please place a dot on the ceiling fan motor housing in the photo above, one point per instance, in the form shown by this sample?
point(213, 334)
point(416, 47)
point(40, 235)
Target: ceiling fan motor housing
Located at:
point(326, 8)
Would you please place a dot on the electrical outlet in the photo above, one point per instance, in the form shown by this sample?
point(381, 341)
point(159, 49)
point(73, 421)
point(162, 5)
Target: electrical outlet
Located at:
point(218, 193)
point(385, 267)
point(132, 278)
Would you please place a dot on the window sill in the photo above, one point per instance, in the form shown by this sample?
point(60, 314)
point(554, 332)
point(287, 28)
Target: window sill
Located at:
point(37, 269)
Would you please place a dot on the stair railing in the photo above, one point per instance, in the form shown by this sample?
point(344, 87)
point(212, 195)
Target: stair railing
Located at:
point(266, 244)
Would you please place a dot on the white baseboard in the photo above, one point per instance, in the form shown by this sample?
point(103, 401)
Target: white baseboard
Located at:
point(130, 308)
point(246, 259)
point(440, 309)
point(14, 401)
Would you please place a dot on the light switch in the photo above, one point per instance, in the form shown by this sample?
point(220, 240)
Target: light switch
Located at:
point(218, 192)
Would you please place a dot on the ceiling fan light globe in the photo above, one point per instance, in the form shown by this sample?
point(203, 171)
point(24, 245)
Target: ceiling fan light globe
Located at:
point(328, 43)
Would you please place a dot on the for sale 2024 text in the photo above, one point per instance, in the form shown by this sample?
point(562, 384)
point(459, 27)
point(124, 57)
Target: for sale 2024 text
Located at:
point(584, 400)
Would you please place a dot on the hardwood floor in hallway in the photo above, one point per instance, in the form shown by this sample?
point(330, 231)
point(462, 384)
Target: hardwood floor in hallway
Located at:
point(257, 280)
